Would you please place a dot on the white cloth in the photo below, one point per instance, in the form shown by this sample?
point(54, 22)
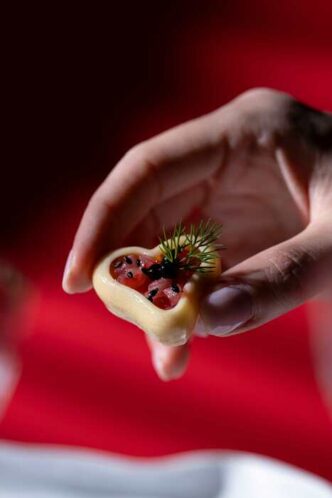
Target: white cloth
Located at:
point(32, 471)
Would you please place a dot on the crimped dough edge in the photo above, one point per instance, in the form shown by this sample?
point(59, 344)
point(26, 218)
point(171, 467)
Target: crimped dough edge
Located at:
point(170, 327)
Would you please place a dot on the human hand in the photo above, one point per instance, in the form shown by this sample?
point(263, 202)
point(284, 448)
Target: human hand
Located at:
point(262, 166)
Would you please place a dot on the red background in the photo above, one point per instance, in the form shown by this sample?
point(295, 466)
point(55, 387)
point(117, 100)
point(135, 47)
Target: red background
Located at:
point(83, 86)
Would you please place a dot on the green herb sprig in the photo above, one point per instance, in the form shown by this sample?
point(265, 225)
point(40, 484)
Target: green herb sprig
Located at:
point(201, 242)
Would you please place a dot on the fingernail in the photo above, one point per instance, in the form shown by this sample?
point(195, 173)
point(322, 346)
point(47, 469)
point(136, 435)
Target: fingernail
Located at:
point(226, 309)
point(66, 273)
point(158, 363)
point(73, 282)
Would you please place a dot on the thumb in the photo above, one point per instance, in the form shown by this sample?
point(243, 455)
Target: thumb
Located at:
point(270, 283)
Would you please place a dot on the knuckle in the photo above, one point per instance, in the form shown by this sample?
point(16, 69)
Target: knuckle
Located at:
point(137, 153)
point(286, 275)
point(261, 95)
point(260, 117)
point(260, 101)
point(140, 157)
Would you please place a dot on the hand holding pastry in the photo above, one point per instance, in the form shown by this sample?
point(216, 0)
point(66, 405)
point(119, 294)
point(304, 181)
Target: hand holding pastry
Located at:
point(262, 166)
point(160, 289)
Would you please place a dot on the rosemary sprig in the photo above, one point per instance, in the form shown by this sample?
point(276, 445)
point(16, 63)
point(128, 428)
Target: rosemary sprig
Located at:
point(200, 241)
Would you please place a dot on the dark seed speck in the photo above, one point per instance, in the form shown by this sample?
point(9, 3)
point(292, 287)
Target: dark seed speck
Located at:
point(166, 269)
point(151, 294)
point(128, 260)
point(130, 274)
point(175, 288)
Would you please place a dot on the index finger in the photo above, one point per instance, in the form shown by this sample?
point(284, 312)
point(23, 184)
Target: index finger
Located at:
point(146, 176)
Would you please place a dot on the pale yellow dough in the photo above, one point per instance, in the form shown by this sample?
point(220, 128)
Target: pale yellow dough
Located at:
point(171, 327)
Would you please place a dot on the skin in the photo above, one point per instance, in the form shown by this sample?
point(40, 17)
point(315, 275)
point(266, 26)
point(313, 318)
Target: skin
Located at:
point(262, 166)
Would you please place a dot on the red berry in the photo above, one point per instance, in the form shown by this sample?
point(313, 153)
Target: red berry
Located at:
point(161, 301)
point(146, 261)
point(161, 283)
point(183, 254)
point(116, 267)
point(133, 278)
point(173, 296)
point(164, 293)
point(127, 272)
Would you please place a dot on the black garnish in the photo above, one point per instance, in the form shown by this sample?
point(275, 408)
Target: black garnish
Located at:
point(118, 264)
point(175, 288)
point(128, 260)
point(130, 274)
point(169, 269)
point(153, 272)
point(165, 269)
point(138, 262)
point(152, 293)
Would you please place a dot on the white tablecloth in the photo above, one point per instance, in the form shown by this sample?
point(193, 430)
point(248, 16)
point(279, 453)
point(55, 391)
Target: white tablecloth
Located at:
point(32, 471)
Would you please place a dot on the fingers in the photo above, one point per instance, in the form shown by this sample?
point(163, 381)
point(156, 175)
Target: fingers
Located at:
point(147, 176)
point(169, 362)
point(270, 283)
point(113, 211)
point(167, 214)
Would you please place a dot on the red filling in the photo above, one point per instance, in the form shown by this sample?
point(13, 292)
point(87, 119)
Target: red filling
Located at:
point(158, 280)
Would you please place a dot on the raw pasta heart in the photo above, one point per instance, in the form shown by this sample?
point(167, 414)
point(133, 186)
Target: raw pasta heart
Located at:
point(162, 314)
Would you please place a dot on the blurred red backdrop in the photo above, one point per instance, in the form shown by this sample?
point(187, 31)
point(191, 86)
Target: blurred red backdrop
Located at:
point(83, 86)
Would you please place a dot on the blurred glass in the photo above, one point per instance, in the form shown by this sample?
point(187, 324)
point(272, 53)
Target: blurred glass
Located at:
point(320, 320)
point(13, 293)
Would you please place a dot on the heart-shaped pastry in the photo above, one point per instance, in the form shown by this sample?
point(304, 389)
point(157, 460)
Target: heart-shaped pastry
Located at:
point(159, 289)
